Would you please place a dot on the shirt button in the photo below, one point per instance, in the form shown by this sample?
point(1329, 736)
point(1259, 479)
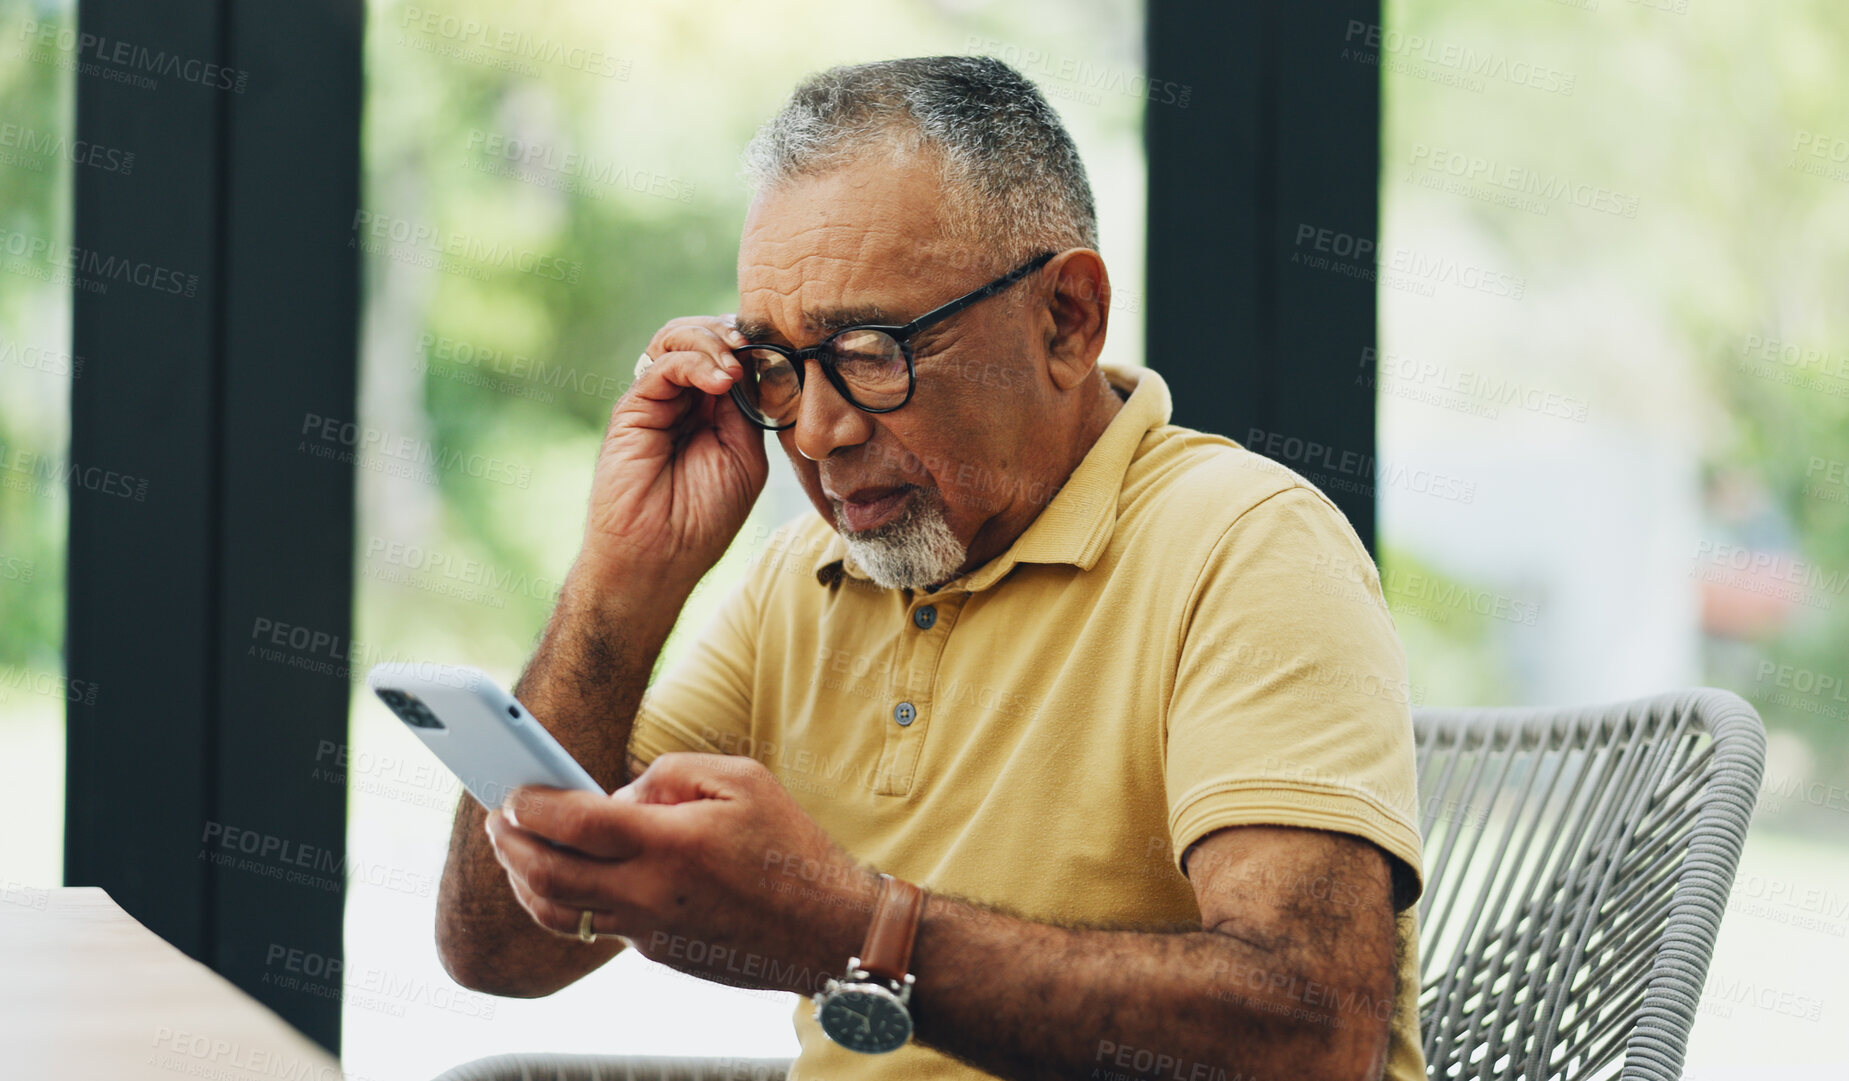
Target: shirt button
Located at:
point(925, 617)
point(905, 713)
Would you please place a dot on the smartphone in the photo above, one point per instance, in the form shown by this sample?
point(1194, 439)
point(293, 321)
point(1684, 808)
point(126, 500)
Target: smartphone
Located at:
point(488, 740)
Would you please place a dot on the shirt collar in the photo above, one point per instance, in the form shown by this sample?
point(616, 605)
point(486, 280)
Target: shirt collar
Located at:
point(1076, 526)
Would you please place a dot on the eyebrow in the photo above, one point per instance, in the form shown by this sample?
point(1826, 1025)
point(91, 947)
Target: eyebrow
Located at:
point(827, 322)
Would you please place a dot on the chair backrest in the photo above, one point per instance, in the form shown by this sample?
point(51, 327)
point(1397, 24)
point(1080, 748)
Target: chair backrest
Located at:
point(1577, 865)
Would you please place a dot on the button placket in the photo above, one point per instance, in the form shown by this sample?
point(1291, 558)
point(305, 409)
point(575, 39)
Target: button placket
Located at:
point(907, 713)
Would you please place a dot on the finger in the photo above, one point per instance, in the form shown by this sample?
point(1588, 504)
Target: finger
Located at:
point(551, 915)
point(588, 822)
point(724, 326)
point(539, 871)
point(697, 369)
point(557, 875)
point(737, 434)
point(715, 322)
point(615, 914)
point(691, 334)
point(688, 353)
point(533, 905)
point(682, 776)
point(610, 927)
point(732, 335)
point(499, 831)
point(711, 337)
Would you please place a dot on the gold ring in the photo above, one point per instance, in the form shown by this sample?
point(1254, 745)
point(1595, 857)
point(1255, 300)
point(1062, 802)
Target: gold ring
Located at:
point(585, 934)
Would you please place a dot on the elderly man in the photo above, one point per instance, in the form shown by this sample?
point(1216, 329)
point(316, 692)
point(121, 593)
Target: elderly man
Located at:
point(1060, 742)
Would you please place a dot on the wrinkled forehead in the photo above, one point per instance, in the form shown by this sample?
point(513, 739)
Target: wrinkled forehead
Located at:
point(868, 242)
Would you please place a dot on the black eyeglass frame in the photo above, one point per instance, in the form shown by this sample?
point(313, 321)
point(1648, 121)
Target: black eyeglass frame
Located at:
point(799, 358)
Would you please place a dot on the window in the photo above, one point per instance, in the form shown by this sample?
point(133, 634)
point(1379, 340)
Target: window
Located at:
point(38, 151)
point(1611, 320)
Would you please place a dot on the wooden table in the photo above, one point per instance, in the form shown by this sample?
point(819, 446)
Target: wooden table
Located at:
point(88, 993)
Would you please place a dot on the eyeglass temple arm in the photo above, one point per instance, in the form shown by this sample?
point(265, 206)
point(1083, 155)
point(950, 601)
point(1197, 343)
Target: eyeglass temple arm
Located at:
point(983, 293)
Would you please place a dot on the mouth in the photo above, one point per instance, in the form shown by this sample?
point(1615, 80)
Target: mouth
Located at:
point(869, 508)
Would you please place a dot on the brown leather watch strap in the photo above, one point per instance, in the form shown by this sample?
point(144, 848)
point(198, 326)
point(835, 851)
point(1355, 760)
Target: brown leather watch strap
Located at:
point(896, 909)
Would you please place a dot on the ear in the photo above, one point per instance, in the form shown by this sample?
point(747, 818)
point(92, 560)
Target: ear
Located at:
point(1079, 308)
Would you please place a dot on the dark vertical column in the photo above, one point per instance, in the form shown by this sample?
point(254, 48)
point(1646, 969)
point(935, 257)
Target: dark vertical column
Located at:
point(290, 330)
point(190, 794)
point(142, 566)
point(1263, 219)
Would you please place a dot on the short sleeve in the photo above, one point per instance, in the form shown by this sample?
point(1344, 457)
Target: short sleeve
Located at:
point(1291, 704)
point(702, 701)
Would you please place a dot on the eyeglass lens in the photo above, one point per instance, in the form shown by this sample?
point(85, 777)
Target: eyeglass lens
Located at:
point(870, 362)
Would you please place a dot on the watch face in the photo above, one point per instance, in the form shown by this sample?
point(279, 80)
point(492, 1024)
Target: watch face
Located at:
point(863, 1018)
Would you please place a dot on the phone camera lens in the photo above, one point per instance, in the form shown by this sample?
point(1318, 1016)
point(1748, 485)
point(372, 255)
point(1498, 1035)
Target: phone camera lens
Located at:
point(513, 711)
point(409, 709)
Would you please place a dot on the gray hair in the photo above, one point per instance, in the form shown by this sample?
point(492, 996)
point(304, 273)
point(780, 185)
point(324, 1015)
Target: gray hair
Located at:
point(991, 134)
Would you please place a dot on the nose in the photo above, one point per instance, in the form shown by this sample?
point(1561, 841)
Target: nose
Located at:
point(825, 421)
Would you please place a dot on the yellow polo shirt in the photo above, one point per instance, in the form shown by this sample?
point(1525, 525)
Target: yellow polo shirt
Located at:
point(1189, 636)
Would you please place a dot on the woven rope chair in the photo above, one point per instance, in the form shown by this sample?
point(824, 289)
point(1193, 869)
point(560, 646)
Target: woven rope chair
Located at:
point(1577, 863)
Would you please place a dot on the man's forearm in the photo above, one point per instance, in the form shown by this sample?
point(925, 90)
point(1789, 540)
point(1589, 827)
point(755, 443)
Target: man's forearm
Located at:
point(1024, 1000)
point(584, 683)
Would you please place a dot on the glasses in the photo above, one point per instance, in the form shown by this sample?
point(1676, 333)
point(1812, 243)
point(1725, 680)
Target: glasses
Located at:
point(870, 365)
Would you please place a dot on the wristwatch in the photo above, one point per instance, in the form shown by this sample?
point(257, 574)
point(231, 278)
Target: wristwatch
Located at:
point(867, 1010)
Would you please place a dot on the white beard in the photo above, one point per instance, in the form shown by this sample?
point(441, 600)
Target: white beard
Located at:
point(914, 550)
